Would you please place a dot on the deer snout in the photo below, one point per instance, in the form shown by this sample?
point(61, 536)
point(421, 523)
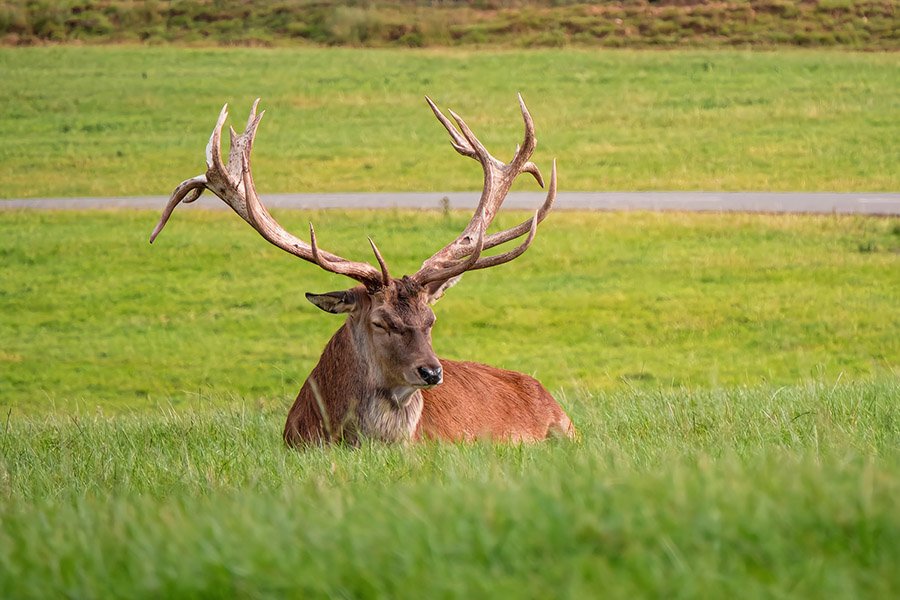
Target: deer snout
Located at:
point(431, 375)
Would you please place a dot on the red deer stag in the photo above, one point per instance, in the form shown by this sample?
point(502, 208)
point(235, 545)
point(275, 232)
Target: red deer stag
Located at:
point(379, 376)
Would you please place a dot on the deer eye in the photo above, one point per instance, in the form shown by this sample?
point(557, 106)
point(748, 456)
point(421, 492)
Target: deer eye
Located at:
point(381, 326)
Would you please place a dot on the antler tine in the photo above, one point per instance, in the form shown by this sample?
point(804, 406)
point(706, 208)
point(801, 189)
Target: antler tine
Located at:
point(193, 186)
point(492, 261)
point(190, 189)
point(242, 144)
point(501, 237)
point(498, 178)
point(233, 183)
point(458, 142)
point(252, 114)
point(385, 276)
point(480, 152)
point(524, 152)
point(317, 257)
point(214, 146)
point(529, 226)
point(268, 227)
point(362, 272)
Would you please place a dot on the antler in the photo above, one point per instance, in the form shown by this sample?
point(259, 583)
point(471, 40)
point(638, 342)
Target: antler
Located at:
point(233, 183)
point(464, 253)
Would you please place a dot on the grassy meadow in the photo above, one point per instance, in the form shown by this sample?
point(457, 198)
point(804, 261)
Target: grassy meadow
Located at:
point(131, 120)
point(94, 316)
point(750, 493)
point(734, 378)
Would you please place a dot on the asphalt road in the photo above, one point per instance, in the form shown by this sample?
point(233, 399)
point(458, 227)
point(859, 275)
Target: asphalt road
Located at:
point(869, 203)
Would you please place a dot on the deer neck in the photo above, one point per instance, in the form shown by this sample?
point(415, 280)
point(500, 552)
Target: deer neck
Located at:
point(367, 403)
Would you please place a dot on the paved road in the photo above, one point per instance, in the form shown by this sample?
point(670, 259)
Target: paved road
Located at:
point(768, 202)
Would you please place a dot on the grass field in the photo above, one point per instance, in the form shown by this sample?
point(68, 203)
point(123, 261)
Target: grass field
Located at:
point(751, 493)
point(733, 378)
point(95, 316)
point(135, 120)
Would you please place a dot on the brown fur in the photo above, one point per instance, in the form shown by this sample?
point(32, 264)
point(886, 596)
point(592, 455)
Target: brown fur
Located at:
point(336, 385)
point(480, 401)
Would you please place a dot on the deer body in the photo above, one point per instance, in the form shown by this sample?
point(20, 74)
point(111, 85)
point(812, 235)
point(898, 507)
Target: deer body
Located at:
point(473, 402)
point(349, 394)
point(378, 376)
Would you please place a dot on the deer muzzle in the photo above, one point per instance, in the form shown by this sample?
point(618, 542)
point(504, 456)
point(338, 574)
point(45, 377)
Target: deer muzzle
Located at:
point(431, 375)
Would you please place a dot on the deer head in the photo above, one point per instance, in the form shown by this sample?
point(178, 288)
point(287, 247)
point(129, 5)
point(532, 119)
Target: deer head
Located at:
point(389, 318)
point(391, 326)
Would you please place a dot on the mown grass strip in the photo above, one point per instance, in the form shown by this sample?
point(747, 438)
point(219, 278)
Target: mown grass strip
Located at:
point(88, 121)
point(93, 316)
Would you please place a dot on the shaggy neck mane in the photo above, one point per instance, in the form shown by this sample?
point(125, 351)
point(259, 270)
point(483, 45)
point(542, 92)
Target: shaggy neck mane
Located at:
point(346, 385)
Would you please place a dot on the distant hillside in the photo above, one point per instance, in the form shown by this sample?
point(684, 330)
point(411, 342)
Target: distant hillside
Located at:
point(863, 24)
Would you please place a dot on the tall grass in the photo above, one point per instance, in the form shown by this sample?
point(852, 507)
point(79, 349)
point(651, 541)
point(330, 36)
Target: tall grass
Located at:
point(754, 492)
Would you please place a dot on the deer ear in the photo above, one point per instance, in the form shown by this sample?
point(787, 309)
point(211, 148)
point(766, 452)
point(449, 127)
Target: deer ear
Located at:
point(434, 291)
point(334, 302)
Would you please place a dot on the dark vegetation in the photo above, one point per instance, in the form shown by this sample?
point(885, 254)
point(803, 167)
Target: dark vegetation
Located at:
point(858, 24)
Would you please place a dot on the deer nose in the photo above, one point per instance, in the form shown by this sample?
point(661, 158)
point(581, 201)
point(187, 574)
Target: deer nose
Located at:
point(431, 375)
